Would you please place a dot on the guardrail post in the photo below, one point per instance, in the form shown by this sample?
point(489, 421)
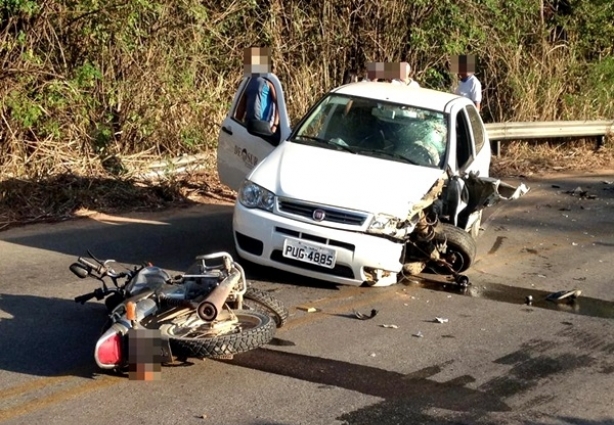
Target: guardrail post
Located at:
point(495, 147)
point(600, 141)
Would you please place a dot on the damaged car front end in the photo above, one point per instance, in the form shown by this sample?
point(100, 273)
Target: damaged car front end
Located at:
point(439, 231)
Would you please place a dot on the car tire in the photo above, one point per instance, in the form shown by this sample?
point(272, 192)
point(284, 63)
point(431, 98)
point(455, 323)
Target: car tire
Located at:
point(461, 248)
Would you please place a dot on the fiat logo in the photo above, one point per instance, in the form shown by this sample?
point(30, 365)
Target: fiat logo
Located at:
point(318, 215)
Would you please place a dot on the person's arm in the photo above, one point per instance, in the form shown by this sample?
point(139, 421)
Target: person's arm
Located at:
point(476, 95)
point(275, 125)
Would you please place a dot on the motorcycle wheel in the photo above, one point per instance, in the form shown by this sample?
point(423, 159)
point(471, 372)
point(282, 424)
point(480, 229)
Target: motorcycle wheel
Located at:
point(262, 301)
point(461, 250)
point(257, 330)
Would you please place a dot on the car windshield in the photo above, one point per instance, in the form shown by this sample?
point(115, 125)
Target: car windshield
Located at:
point(380, 129)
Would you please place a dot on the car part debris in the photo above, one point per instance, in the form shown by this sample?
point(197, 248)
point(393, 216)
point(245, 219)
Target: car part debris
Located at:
point(307, 309)
point(440, 320)
point(564, 295)
point(390, 326)
point(361, 316)
point(462, 280)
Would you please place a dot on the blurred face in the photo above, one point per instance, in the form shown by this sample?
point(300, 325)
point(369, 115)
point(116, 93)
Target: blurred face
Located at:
point(463, 66)
point(257, 60)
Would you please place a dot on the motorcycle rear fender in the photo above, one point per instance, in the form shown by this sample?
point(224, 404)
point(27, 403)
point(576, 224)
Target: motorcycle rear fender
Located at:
point(115, 329)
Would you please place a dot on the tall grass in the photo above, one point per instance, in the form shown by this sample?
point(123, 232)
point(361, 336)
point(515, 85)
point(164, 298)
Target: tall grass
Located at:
point(96, 86)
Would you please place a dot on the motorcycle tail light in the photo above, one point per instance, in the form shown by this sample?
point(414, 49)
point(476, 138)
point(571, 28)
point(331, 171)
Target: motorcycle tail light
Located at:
point(109, 350)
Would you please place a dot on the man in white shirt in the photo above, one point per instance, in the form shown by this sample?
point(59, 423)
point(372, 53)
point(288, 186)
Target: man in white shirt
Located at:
point(469, 86)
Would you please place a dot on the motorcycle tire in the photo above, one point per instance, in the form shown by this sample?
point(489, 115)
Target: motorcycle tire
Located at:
point(461, 250)
point(260, 333)
point(262, 301)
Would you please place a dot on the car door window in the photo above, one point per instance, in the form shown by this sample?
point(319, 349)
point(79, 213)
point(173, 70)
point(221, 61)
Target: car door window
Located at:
point(464, 151)
point(477, 127)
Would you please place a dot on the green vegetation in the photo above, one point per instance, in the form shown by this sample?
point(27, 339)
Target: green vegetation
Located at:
point(88, 83)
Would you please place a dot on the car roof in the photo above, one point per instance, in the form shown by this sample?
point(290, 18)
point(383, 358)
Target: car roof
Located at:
point(420, 97)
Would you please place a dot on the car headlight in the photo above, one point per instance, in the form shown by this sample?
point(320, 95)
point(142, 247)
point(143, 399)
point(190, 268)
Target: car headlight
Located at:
point(383, 222)
point(253, 196)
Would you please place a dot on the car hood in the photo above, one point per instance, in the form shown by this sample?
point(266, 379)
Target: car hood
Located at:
point(339, 178)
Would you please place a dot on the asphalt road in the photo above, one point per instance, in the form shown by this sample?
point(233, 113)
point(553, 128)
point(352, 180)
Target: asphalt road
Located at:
point(497, 360)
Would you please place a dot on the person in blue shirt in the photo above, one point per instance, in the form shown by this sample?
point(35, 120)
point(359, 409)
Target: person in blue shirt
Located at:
point(259, 101)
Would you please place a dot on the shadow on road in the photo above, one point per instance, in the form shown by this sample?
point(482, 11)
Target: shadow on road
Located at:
point(171, 242)
point(49, 336)
point(421, 397)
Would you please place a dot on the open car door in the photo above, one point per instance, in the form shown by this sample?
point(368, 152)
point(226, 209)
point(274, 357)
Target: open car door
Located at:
point(238, 150)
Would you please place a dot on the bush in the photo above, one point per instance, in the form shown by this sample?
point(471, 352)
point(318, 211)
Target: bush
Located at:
point(90, 83)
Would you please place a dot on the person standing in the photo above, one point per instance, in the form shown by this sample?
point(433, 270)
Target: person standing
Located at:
point(259, 102)
point(469, 86)
point(404, 76)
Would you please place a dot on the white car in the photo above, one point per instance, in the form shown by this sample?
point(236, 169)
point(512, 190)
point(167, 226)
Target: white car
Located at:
point(375, 181)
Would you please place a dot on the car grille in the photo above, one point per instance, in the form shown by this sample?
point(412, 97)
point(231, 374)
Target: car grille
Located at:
point(331, 215)
point(315, 238)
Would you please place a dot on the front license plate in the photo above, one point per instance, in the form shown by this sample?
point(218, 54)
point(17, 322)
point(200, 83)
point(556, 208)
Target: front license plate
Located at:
point(308, 253)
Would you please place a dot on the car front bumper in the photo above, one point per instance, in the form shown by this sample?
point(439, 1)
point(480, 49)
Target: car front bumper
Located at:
point(259, 237)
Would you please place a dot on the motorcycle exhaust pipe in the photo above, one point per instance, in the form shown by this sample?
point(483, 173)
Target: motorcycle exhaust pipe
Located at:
point(209, 309)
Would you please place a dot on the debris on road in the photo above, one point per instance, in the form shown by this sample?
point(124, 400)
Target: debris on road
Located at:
point(307, 309)
point(390, 326)
point(563, 295)
point(556, 186)
point(529, 299)
point(577, 191)
point(418, 334)
point(581, 193)
point(361, 316)
point(440, 320)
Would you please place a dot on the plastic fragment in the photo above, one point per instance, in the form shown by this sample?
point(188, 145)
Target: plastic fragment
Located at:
point(361, 316)
point(440, 320)
point(562, 295)
point(418, 334)
point(308, 309)
point(390, 326)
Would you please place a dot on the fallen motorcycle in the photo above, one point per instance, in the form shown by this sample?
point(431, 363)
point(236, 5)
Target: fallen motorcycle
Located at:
point(208, 312)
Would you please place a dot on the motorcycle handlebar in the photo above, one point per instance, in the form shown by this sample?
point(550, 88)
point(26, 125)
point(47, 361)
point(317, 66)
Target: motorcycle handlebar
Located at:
point(96, 267)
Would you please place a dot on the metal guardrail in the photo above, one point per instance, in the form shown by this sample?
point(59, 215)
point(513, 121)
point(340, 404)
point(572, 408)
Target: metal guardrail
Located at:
point(547, 129)
point(508, 131)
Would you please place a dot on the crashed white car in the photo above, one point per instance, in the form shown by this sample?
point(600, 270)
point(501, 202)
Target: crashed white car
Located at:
point(375, 182)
